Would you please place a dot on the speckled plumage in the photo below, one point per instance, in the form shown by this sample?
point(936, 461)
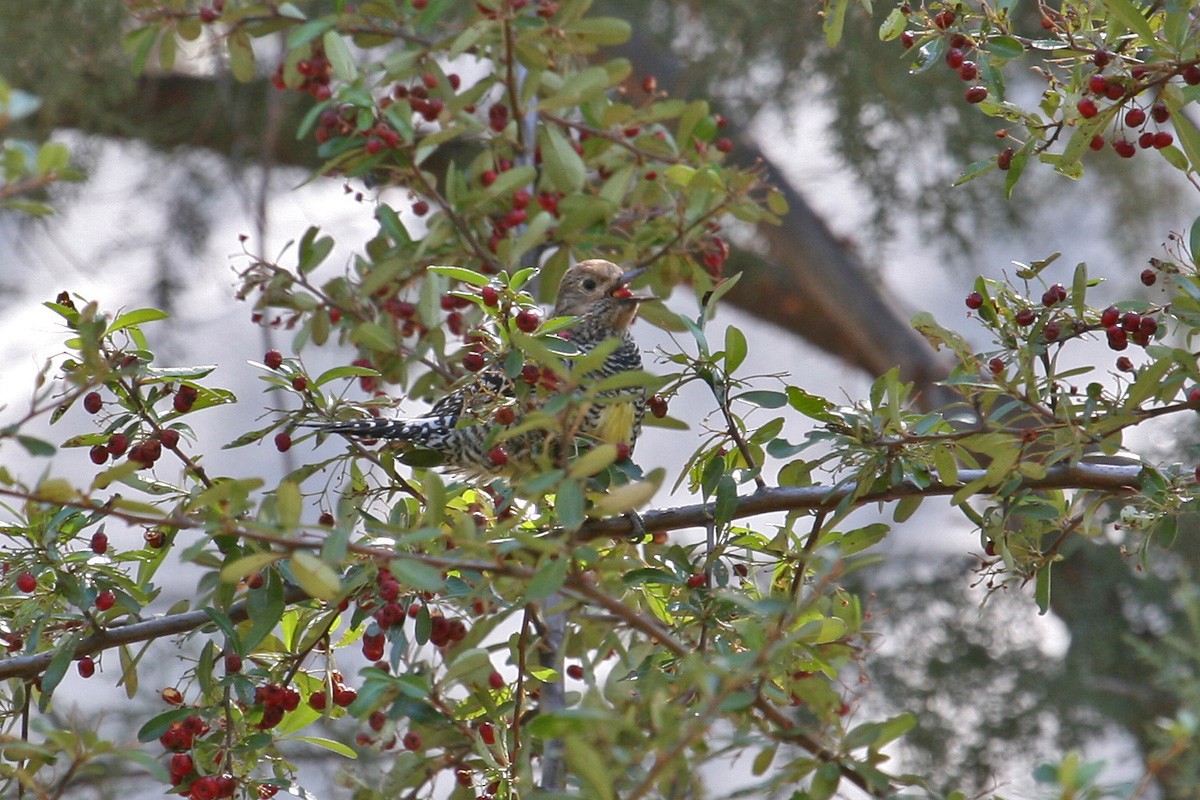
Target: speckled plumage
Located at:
point(459, 426)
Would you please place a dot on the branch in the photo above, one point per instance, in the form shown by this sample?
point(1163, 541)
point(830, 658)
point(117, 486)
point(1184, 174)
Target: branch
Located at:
point(117, 635)
point(1100, 477)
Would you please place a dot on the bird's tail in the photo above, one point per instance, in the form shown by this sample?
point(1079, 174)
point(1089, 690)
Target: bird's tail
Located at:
point(418, 431)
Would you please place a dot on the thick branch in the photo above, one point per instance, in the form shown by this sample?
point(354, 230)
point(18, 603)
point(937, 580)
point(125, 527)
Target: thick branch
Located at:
point(1099, 477)
point(117, 635)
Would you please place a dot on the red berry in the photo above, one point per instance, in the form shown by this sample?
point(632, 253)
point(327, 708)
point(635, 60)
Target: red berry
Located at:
point(343, 696)
point(106, 600)
point(490, 296)
point(521, 198)
point(1025, 317)
point(996, 365)
point(657, 406)
point(1087, 108)
point(1148, 326)
point(575, 671)
point(696, 580)
point(1097, 84)
point(255, 581)
point(1193, 395)
point(169, 438)
point(1149, 277)
point(98, 454)
point(530, 373)
point(283, 441)
point(1051, 331)
point(505, 415)
point(1131, 321)
point(1117, 338)
point(976, 94)
point(26, 582)
point(420, 208)
point(1191, 75)
point(1124, 364)
point(907, 39)
point(498, 456)
point(473, 362)
point(318, 701)
point(118, 443)
point(1124, 148)
point(724, 144)
point(1097, 142)
point(487, 732)
point(233, 663)
point(489, 177)
point(1146, 140)
point(944, 19)
point(273, 359)
point(377, 720)
point(1110, 316)
point(86, 666)
point(412, 741)
point(374, 145)
point(1163, 139)
point(496, 680)
point(527, 320)
point(954, 58)
point(968, 71)
point(92, 402)
point(99, 543)
point(1115, 91)
point(623, 452)
point(1160, 113)
point(974, 301)
point(299, 383)
point(1134, 117)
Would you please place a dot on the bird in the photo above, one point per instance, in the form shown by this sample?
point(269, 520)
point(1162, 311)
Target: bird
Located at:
point(461, 427)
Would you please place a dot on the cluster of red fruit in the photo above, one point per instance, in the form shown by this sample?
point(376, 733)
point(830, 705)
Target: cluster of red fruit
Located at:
point(1120, 90)
point(276, 700)
point(341, 694)
point(960, 46)
point(180, 737)
point(316, 71)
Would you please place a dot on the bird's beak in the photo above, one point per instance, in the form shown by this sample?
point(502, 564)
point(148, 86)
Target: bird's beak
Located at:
point(632, 275)
point(621, 290)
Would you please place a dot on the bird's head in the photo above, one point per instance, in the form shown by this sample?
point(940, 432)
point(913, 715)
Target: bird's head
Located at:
point(599, 288)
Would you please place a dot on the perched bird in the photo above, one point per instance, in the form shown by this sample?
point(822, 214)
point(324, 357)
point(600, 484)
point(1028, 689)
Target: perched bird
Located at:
point(461, 426)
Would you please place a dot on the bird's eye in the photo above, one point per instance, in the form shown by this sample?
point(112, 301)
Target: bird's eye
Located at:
point(589, 285)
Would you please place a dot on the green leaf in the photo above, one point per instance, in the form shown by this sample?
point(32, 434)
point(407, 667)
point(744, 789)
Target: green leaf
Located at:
point(1005, 47)
point(416, 574)
point(548, 579)
point(138, 317)
point(1041, 589)
point(288, 504)
point(339, 55)
point(1129, 16)
point(241, 55)
point(327, 744)
point(763, 399)
point(315, 576)
point(589, 767)
point(735, 349)
point(462, 274)
point(893, 25)
point(1194, 239)
point(569, 503)
point(35, 446)
point(600, 30)
point(57, 668)
point(563, 167)
point(235, 571)
point(835, 21)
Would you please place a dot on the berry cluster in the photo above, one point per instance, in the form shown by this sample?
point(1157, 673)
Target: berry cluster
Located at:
point(341, 694)
point(316, 73)
point(276, 701)
point(1121, 91)
point(960, 47)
